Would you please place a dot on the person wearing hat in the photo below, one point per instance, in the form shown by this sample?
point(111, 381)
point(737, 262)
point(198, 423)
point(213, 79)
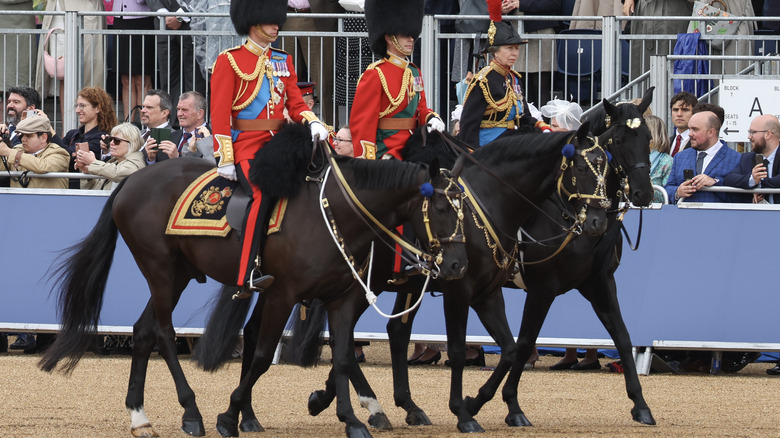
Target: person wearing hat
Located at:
point(494, 102)
point(390, 98)
point(251, 86)
point(36, 154)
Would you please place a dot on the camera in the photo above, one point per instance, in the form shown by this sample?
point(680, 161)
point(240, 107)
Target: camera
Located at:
point(5, 137)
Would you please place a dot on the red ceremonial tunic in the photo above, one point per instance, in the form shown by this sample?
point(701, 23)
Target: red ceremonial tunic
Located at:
point(372, 102)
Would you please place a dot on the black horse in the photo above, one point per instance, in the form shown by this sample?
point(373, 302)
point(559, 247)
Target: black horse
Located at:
point(507, 179)
point(302, 256)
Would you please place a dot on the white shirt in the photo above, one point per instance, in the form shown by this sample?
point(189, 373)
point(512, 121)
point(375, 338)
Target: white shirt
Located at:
point(711, 152)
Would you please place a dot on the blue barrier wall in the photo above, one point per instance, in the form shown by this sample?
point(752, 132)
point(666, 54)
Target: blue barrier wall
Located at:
point(699, 275)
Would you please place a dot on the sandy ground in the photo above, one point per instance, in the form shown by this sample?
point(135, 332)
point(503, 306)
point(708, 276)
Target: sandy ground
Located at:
point(90, 403)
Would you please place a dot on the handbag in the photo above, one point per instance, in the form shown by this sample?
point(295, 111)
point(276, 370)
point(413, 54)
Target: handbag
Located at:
point(353, 5)
point(54, 67)
point(703, 9)
point(473, 7)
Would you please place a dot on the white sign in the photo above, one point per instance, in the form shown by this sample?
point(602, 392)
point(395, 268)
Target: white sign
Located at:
point(743, 100)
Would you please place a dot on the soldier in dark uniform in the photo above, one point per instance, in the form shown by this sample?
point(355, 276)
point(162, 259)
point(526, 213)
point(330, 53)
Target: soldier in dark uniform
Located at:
point(390, 98)
point(250, 88)
point(494, 102)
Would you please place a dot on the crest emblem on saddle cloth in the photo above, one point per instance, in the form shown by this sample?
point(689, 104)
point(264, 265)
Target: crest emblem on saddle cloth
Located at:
point(210, 200)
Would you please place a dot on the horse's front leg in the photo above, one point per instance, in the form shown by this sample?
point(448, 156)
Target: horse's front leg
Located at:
point(492, 313)
point(603, 298)
point(399, 331)
point(342, 316)
point(456, 312)
point(537, 304)
point(271, 324)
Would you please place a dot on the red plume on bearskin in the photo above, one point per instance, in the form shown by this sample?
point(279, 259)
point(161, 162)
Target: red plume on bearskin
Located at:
point(494, 10)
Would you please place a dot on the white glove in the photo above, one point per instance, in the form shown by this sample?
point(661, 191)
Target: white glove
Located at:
point(435, 124)
point(318, 132)
point(227, 171)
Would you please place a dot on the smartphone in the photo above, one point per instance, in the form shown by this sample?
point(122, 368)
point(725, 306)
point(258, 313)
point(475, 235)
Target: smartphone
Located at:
point(688, 174)
point(160, 135)
point(82, 146)
point(29, 113)
point(758, 159)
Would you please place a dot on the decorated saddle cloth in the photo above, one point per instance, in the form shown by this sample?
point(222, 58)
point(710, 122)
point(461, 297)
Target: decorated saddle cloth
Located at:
point(202, 209)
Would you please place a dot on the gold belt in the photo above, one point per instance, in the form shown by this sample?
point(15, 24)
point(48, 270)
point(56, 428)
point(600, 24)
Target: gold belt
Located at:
point(257, 124)
point(509, 124)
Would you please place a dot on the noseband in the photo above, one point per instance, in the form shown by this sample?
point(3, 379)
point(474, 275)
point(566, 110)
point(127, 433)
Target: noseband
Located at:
point(454, 195)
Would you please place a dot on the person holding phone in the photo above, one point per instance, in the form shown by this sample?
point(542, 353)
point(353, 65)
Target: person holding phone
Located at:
point(759, 168)
point(251, 86)
point(95, 111)
point(191, 114)
point(155, 116)
point(710, 159)
point(125, 146)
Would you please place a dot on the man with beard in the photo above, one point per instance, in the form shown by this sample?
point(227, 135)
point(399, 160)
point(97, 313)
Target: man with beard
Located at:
point(752, 173)
point(20, 99)
point(709, 160)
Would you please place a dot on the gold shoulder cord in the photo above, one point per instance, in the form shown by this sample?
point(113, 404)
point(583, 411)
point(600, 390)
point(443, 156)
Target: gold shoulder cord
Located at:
point(246, 78)
point(510, 100)
point(395, 102)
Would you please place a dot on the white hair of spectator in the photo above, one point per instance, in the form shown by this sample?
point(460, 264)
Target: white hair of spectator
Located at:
point(567, 114)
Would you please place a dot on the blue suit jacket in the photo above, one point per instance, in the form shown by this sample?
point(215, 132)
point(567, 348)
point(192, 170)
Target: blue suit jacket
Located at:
point(740, 176)
point(721, 165)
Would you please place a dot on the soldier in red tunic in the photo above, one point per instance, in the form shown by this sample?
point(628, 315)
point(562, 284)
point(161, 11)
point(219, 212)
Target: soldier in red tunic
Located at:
point(390, 98)
point(251, 85)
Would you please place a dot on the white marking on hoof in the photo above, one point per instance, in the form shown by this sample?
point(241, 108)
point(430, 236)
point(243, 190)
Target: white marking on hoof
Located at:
point(140, 426)
point(371, 404)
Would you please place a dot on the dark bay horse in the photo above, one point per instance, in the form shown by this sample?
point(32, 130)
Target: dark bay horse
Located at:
point(510, 176)
point(302, 256)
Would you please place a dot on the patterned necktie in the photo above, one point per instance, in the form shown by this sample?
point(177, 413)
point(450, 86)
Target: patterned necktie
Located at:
point(700, 162)
point(185, 139)
point(677, 145)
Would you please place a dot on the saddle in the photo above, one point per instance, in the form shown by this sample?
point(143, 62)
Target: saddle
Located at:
point(213, 206)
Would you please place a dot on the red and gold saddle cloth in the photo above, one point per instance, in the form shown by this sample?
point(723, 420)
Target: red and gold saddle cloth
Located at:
point(201, 209)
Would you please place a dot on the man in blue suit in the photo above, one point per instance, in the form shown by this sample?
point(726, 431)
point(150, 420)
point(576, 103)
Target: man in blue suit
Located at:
point(764, 136)
point(709, 158)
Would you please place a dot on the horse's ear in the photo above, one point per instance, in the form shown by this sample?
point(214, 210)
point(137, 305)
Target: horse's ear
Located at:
point(582, 132)
point(609, 108)
point(646, 100)
point(458, 167)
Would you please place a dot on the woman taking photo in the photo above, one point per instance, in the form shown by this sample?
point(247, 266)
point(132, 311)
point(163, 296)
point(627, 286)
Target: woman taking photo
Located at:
point(95, 111)
point(124, 144)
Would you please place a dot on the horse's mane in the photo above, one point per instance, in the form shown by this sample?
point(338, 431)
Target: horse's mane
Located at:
point(597, 117)
point(280, 167)
point(514, 146)
point(380, 174)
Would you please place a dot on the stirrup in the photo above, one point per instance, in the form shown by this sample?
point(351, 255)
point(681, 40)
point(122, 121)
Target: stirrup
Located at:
point(261, 283)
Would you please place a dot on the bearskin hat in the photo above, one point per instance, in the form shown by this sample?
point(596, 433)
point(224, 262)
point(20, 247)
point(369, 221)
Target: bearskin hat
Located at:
point(247, 13)
point(392, 17)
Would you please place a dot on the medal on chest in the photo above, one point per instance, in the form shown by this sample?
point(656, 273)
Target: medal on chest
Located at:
point(417, 84)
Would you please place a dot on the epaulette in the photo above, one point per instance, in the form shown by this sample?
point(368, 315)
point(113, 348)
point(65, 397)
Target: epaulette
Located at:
point(374, 64)
point(224, 52)
point(481, 76)
point(274, 49)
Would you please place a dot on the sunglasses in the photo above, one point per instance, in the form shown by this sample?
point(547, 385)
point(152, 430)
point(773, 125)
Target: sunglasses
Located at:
point(115, 140)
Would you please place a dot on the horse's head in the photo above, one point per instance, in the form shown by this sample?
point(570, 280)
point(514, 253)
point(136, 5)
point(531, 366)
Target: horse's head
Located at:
point(628, 140)
point(582, 181)
point(442, 220)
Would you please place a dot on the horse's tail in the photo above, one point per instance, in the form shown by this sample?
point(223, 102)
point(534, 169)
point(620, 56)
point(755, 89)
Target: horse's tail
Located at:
point(305, 345)
point(219, 339)
point(80, 282)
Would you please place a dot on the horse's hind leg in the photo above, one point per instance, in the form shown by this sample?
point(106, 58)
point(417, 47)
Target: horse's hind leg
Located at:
point(142, 348)
point(249, 421)
point(399, 331)
point(603, 298)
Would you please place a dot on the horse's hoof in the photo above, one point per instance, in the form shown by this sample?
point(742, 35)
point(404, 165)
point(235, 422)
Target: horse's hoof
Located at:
point(380, 421)
point(193, 427)
point(470, 426)
point(225, 427)
point(358, 431)
point(417, 417)
point(472, 406)
point(143, 431)
point(251, 425)
point(643, 416)
point(317, 403)
point(517, 420)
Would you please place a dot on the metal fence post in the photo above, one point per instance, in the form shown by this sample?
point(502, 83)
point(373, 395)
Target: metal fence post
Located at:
point(428, 61)
point(610, 56)
point(73, 53)
point(659, 78)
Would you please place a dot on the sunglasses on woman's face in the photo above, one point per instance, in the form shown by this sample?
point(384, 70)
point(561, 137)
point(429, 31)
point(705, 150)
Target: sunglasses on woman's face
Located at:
point(115, 140)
